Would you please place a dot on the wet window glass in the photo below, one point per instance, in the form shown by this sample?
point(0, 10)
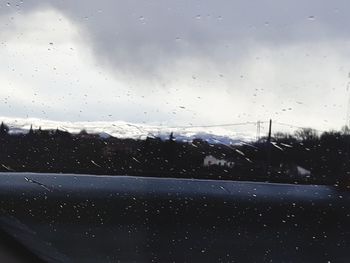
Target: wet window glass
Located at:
point(175, 131)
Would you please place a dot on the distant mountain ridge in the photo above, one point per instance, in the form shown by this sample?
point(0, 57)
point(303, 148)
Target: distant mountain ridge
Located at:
point(121, 129)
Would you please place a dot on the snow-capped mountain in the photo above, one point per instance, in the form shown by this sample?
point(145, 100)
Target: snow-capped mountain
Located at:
point(123, 129)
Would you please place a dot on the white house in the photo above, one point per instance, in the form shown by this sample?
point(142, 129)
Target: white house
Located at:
point(302, 171)
point(211, 160)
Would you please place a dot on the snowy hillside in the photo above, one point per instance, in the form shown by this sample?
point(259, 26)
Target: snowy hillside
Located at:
point(123, 129)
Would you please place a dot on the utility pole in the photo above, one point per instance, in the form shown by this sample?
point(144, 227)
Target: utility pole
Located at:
point(270, 128)
point(268, 148)
point(347, 121)
point(258, 130)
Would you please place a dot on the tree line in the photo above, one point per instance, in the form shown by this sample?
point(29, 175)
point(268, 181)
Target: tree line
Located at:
point(304, 157)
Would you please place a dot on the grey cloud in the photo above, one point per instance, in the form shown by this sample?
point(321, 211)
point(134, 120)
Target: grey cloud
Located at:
point(144, 36)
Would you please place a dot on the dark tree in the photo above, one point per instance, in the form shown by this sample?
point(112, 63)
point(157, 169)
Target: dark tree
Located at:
point(4, 129)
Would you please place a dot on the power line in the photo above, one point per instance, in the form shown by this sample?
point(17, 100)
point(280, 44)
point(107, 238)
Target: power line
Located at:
point(257, 124)
point(212, 126)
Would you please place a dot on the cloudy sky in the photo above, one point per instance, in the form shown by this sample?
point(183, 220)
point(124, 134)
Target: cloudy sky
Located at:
point(176, 62)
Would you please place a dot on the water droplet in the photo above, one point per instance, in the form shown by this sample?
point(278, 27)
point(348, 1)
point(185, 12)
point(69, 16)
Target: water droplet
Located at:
point(312, 18)
point(8, 4)
point(198, 17)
